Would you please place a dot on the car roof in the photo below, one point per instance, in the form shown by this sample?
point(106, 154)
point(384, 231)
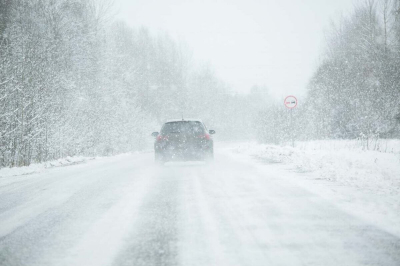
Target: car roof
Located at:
point(180, 120)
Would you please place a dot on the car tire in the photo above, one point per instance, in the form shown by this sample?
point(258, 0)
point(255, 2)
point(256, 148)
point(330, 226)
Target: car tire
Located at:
point(158, 158)
point(209, 156)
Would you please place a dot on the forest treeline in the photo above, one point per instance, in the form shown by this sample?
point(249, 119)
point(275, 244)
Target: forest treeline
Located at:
point(355, 92)
point(74, 82)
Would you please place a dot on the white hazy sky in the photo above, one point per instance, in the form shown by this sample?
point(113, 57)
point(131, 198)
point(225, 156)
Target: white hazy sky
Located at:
point(275, 43)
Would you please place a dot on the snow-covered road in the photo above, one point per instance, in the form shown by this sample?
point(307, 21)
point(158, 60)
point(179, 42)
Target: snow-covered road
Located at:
point(126, 211)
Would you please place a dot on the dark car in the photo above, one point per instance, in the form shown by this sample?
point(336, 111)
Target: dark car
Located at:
point(183, 140)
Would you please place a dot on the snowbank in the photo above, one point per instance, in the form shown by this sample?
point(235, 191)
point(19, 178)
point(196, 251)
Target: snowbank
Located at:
point(40, 167)
point(362, 182)
point(335, 161)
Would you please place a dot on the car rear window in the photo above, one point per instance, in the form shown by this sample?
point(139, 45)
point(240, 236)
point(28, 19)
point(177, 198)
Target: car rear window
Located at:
point(186, 127)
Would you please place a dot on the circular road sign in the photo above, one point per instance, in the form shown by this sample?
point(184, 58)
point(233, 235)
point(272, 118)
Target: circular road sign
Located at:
point(290, 102)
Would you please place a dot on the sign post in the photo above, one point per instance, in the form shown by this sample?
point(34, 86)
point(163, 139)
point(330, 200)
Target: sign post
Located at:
point(291, 103)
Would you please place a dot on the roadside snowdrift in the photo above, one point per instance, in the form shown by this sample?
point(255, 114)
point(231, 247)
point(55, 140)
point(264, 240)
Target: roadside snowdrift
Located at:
point(378, 171)
point(40, 167)
point(362, 182)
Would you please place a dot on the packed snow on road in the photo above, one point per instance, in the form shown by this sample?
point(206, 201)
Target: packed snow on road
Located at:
point(245, 208)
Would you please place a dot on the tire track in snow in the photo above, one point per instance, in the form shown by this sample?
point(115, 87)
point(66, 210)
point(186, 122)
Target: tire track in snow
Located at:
point(101, 244)
point(154, 239)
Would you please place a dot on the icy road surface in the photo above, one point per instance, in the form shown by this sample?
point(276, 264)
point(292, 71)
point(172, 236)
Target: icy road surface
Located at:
point(126, 211)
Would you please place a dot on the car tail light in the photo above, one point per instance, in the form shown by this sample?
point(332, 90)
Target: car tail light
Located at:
point(206, 136)
point(160, 138)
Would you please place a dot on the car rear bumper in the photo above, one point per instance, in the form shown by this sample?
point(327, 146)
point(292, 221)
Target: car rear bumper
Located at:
point(186, 153)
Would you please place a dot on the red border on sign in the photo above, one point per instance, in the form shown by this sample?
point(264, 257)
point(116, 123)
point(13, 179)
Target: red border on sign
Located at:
point(288, 106)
